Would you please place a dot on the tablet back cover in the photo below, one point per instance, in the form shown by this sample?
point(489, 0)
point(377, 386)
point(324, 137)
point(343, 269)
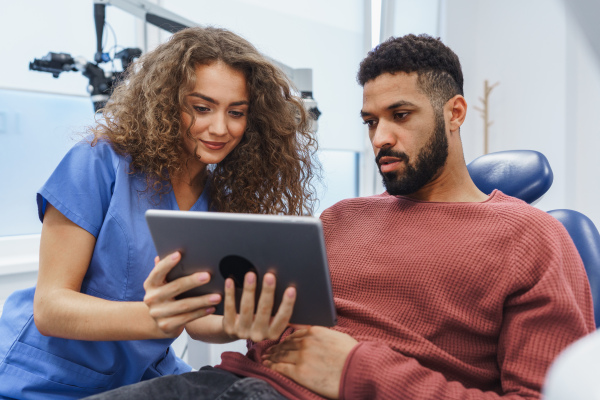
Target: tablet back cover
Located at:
point(229, 244)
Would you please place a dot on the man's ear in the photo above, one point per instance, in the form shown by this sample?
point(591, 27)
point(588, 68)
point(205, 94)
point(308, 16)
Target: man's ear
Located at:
point(456, 109)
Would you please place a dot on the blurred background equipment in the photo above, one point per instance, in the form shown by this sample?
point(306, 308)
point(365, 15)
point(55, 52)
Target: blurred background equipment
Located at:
point(103, 80)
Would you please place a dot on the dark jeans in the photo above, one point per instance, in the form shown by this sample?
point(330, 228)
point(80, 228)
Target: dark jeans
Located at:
point(208, 383)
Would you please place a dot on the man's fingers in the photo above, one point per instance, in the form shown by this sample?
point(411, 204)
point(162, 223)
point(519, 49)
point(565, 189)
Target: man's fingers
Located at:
point(284, 347)
point(299, 327)
point(285, 369)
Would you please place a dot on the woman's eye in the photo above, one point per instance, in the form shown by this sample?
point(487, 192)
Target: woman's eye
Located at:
point(237, 114)
point(201, 109)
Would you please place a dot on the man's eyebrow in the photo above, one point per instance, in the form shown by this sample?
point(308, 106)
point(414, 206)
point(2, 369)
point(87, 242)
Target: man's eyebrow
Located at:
point(401, 103)
point(215, 102)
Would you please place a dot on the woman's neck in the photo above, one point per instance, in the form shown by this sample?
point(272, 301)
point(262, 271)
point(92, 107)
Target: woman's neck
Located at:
point(188, 186)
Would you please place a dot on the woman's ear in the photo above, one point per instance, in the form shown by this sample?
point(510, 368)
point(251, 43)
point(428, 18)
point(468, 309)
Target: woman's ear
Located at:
point(456, 109)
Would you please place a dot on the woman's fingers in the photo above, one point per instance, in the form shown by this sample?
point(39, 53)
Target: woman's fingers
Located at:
point(262, 318)
point(168, 291)
point(259, 325)
point(229, 309)
point(172, 314)
point(184, 306)
point(246, 313)
point(176, 324)
point(158, 275)
point(284, 313)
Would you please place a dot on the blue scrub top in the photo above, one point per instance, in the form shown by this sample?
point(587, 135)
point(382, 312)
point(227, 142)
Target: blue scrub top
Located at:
point(92, 187)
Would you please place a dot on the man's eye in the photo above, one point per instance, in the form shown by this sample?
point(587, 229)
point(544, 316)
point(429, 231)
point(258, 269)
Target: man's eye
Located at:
point(401, 115)
point(369, 122)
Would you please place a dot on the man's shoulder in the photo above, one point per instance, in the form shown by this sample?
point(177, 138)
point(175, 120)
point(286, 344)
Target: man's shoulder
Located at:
point(522, 215)
point(356, 203)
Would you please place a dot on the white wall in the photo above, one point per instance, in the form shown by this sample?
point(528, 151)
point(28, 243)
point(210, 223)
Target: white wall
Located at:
point(549, 81)
point(582, 127)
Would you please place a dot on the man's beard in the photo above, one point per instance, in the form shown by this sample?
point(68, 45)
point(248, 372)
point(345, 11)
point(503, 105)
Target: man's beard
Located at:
point(430, 159)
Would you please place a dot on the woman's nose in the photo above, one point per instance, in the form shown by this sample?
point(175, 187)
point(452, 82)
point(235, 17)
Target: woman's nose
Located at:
point(218, 125)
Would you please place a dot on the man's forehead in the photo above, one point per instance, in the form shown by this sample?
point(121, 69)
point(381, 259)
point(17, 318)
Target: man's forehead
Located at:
point(393, 88)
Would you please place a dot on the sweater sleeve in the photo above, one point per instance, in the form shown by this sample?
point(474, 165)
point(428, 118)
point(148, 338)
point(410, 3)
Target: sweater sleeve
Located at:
point(549, 306)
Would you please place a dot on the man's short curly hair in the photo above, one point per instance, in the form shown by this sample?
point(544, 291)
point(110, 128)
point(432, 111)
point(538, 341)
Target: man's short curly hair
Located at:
point(438, 67)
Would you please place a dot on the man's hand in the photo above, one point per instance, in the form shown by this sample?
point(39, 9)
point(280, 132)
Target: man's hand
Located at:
point(259, 325)
point(314, 357)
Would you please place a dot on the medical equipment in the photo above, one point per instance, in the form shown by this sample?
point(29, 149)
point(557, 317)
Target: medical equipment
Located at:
point(101, 82)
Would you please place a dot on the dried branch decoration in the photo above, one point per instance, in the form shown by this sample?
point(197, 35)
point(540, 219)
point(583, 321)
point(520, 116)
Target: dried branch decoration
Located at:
point(484, 111)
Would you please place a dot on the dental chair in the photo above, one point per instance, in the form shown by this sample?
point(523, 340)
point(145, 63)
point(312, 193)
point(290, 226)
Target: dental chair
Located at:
point(574, 373)
point(524, 174)
point(527, 175)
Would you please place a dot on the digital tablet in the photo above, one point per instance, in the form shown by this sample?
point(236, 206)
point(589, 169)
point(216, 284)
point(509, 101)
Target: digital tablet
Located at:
point(229, 245)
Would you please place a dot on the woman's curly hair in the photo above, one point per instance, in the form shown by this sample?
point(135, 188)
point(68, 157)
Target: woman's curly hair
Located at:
point(270, 170)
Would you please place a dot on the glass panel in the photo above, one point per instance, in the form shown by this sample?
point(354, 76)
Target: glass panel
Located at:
point(340, 177)
point(36, 130)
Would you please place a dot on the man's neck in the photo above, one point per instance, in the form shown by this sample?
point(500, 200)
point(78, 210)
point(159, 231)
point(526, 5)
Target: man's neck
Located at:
point(453, 184)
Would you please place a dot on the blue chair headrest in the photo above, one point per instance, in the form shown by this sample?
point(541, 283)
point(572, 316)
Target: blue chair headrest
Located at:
point(524, 174)
point(587, 240)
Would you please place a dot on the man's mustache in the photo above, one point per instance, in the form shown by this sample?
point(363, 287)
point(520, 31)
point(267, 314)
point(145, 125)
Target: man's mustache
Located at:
point(387, 152)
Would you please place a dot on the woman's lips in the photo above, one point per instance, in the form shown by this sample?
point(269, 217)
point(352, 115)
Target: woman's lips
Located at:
point(213, 145)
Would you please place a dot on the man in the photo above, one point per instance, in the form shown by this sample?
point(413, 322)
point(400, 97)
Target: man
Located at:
point(442, 292)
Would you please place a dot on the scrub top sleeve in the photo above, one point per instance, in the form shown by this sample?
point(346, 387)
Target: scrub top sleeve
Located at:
point(82, 184)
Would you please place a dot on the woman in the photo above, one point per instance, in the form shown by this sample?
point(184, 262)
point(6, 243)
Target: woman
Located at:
point(202, 122)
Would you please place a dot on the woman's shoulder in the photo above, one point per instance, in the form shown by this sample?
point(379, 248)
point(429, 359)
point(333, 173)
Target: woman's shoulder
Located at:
point(95, 149)
point(89, 154)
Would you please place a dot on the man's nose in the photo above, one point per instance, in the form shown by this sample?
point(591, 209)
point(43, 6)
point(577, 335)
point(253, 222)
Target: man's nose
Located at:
point(383, 136)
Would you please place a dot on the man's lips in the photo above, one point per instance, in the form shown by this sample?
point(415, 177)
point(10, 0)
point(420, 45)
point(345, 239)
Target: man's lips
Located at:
point(389, 164)
point(213, 145)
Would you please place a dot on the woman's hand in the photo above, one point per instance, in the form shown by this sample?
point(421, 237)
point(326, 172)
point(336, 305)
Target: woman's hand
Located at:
point(171, 315)
point(260, 325)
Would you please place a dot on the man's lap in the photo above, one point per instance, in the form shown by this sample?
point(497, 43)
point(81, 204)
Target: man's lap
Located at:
point(207, 383)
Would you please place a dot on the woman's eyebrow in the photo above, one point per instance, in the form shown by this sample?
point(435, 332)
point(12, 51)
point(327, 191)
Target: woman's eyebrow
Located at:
point(215, 102)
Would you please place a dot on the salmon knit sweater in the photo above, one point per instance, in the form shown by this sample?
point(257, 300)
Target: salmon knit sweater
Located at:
point(446, 300)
